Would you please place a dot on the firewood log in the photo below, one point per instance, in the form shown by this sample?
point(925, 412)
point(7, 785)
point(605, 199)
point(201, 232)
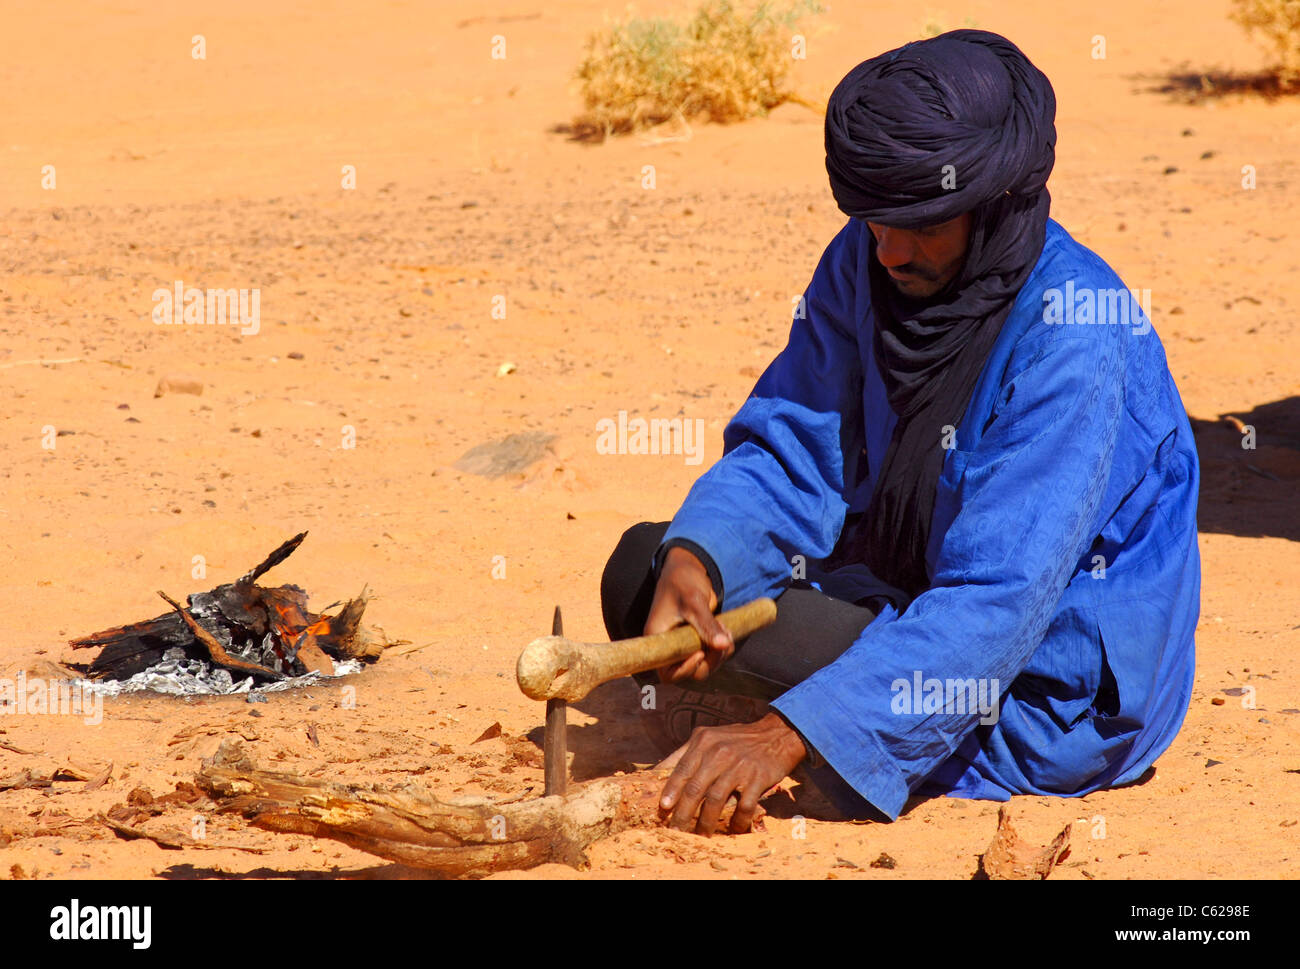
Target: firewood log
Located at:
point(463, 838)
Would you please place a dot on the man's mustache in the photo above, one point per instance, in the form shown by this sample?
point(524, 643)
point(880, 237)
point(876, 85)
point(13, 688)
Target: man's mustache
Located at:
point(911, 270)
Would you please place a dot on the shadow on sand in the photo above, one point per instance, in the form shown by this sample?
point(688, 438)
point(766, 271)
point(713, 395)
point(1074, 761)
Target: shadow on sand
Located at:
point(1192, 86)
point(1252, 491)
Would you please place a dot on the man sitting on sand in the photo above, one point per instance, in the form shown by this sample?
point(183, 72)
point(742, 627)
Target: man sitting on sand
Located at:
point(968, 479)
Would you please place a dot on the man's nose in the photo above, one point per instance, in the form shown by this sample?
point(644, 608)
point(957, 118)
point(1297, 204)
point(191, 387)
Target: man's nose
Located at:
point(893, 249)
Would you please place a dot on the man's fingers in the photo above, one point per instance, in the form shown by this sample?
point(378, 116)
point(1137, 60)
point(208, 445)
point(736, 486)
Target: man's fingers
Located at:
point(720, 764)
point(708, 788)
point(711, 632)
point(742, 819)
point(682, 670)
point(688, 760)
point(714, 801)
point(688, 802)
point(713, 659)
point(717, 642)
point(700, 665)
point(691, 779)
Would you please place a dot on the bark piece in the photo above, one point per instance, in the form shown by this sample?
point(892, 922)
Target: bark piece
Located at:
point(1010, 858)
point(76, 770)
point(172, 840)
point(24, 779)
point(100, 779)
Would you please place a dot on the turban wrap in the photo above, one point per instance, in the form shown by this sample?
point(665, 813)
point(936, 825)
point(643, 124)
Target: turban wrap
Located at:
point(971, 100)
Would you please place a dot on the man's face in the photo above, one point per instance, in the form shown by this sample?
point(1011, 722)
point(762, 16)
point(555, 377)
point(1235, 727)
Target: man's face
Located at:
point(923, 261)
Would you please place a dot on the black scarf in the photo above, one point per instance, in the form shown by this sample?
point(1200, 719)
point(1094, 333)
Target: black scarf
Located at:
point(971, 100)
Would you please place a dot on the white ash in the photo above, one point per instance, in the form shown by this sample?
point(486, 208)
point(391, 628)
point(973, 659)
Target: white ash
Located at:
point(179, 675)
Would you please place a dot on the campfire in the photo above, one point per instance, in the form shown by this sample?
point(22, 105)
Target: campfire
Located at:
point(238, 631)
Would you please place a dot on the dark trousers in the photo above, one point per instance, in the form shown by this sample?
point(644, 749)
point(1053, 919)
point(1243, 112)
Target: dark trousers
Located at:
point(811, 631)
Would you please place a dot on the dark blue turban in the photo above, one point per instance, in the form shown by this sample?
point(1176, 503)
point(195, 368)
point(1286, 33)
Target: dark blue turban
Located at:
point(971, 100)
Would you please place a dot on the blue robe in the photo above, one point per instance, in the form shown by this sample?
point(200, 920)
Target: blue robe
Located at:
point(1063, 551)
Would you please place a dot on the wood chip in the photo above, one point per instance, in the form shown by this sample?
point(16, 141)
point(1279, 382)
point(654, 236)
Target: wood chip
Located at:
point(100, 780)
point(191, 732)
point(24, 779)
point(1009, 858)
point(74, 772)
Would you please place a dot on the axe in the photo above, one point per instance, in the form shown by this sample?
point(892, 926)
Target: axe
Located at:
point(559, 670)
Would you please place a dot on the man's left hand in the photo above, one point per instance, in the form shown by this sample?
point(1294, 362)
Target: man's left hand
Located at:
point(745, 759)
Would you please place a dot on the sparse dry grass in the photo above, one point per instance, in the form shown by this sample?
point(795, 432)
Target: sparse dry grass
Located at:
point(1278, 23)
point(726, 63)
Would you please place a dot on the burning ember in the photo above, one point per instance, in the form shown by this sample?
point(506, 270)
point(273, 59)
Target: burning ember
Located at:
point(251, 631)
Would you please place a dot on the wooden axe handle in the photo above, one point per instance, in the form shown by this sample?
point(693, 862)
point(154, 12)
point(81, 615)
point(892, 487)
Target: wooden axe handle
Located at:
point(557, 668)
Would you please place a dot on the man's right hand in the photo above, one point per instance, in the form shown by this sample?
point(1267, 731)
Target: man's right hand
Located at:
point(685, 594)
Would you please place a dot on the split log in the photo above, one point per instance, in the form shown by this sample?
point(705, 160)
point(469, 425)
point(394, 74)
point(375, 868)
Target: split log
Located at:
point(463, 838)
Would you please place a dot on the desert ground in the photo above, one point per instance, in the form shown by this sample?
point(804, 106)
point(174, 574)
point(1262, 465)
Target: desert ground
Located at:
point(377, 316)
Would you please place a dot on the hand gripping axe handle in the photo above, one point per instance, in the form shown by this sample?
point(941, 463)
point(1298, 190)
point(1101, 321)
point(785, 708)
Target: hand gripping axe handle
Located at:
point(556, 668)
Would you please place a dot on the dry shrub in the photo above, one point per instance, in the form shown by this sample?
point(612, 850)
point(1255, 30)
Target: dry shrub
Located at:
point(726, 63)
point(1278, 21)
